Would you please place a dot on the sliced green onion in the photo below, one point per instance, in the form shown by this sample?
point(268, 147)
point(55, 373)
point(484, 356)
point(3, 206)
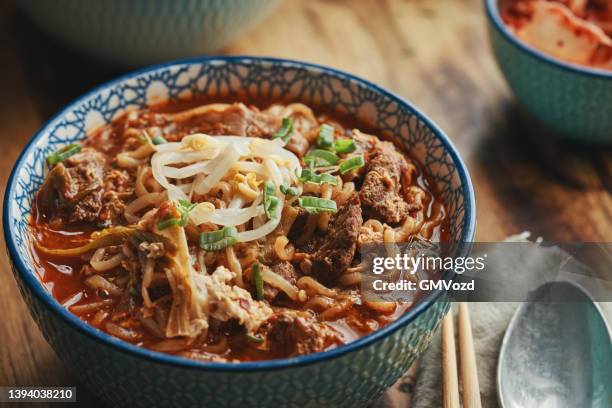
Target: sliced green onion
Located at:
point(309, 176)
point(254, 338)
point(344, 146)
point(218, 240)
point(326, 137)
point(158, 139)
point(63, 153)
point(286, 190)
point(328, 178)
point(168, 222)
point(321, 158)
point(316, 205)
point(184, 207)
point(354, 162)
point(270, 200)
point(286, 129)
point(258, 280)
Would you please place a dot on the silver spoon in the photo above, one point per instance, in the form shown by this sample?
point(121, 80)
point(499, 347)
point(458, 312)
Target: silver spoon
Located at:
point(557, 352)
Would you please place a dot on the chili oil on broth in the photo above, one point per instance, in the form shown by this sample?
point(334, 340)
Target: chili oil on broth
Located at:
point(65, 276)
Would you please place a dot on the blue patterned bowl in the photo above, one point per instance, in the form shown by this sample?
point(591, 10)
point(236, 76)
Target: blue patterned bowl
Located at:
point(126, 375)
point(572, 100)
point(140, 32)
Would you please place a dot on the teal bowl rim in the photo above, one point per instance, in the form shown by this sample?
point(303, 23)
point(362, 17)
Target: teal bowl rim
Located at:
point(492, 10)
point(35, 286)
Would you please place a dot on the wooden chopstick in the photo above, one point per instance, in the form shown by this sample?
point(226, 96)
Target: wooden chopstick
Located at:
point(450, 380)
point(469, 374)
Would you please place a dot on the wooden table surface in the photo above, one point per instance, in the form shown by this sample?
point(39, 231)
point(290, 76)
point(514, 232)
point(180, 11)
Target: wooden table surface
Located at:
point(434, 53)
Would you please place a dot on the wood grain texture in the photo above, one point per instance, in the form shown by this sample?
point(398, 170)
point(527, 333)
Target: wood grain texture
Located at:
point(434, 53)
point(469, 374)
point(450, 375)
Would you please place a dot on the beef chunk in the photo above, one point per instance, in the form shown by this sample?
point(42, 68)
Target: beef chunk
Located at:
point(415, 197)
point(299, 225)
point(234, 120)
point(88, 208)
point(118, 185)
point(83, 189)
point(74, 186)
point(287, 271)
point(335, 251)
point(380, 192)
point(367, 143)
point(298, 144)
point(86, 167)
point(293, 333)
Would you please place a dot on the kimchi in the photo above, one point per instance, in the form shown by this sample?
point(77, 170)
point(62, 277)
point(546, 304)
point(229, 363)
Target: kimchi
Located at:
point(576, 31)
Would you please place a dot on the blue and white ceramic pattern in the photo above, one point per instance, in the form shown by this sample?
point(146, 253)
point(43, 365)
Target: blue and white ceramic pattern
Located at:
point(140, 32)
point(572, 100)
point(126, 375)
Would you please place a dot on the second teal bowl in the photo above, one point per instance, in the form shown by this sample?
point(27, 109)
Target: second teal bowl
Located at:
point(571, 100)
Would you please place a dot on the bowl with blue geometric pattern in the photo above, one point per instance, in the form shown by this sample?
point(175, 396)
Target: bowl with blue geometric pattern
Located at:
point(571, 100)
point(122, 374)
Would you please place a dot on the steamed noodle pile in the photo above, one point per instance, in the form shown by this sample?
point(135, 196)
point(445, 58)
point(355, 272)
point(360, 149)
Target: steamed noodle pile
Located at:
point(194, 166)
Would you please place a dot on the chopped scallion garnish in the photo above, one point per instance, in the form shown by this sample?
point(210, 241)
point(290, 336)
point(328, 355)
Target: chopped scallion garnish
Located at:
point(168, 222)
point(326, 137)
point(258, 281)
point(316, 205)
point(344, 146)
point(309, 176)
point(158, 139)
point(63, 153)
point(321, 158)
point(286, 129)
point(286, 190)
point(254, 338)
point(327, 178)
point(184, 207)
point(218, 240)
point(270, 200)
point(354, 162)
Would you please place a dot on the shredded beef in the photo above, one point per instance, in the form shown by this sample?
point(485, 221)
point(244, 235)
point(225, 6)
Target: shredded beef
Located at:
point(414, 197)
point(75, 184)
point(367, 143)
point(236, 120)
point(297, 333)
point(380, 191)
point(299, 225)
point(335, 251)
point(287, 271)
point(83, 189)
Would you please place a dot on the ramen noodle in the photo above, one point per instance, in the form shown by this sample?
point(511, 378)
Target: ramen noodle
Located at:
point(226, 232)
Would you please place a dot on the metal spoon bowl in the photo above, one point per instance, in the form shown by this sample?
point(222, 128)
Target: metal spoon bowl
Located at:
point(557, 352)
